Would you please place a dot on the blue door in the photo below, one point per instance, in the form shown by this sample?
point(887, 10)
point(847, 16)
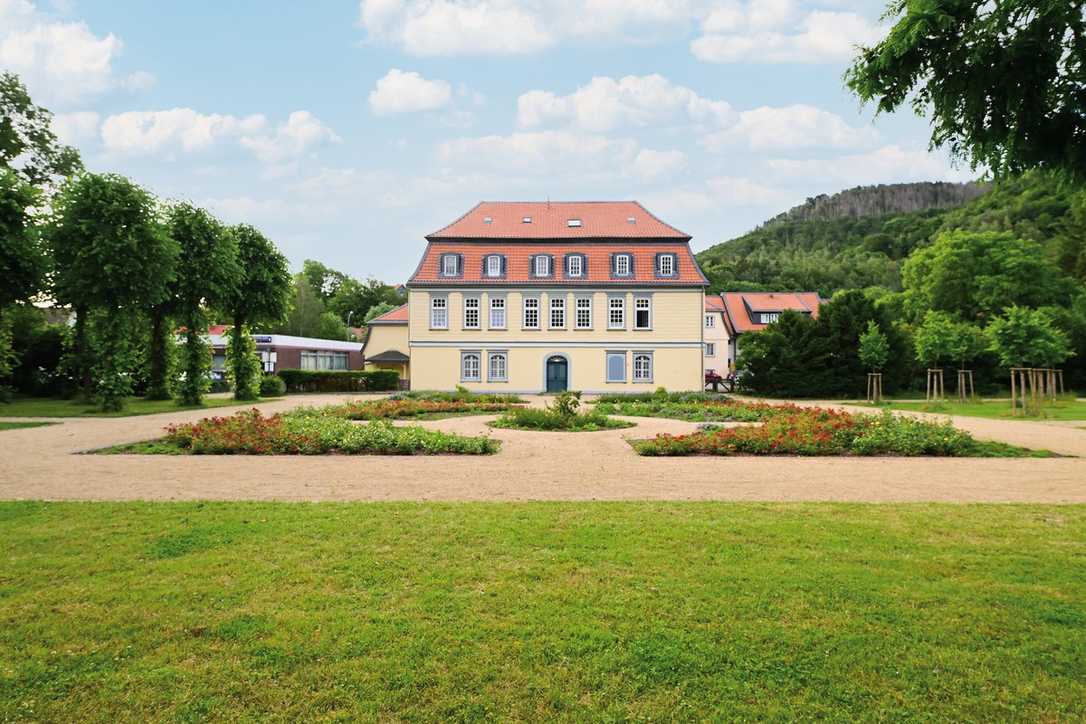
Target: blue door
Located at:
point(557, 374)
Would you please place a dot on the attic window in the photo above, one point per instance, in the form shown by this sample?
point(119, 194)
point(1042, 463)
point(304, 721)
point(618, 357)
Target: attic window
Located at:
point(631, 220)
point(527, 220)
point(573, 223)
point(488, 220)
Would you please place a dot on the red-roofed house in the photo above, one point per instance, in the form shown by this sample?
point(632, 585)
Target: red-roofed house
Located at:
point(386, 346)
point(753, 311)
point(534, 296)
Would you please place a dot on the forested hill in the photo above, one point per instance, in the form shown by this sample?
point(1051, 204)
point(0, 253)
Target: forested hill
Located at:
point(821, 246)
point(884, 199)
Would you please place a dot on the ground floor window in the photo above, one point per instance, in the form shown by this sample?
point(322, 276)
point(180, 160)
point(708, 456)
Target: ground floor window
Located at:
point(616, 366)
point(323, 359)
point(499, 366)
point(268, 360)
point(710, 349)
point(469, 367)
point(642, 367)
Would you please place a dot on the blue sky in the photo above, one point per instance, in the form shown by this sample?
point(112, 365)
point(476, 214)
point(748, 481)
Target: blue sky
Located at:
point(349, 130)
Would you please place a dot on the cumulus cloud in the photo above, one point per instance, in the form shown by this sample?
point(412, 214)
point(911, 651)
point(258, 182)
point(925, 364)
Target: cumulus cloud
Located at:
point(77, 127)
point(650, 165)
point(560, 152)
point(62, 63)
point(183, 129)
point(796, 126)
point(402, 91)
point(717, 192)
point(448, 27)
point(887, 164)
point(775, 32)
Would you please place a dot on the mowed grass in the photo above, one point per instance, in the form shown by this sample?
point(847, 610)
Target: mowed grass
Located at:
point(22, 425)
point(55, 407)
point(1061, 409)
point(298, 612)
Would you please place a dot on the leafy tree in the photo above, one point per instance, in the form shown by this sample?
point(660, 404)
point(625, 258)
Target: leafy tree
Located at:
point(1002, 81)
point(28, 145)
point(842, 320)
point(259, 296)
point(22, 261)
point(1025, 337)
point(978, 275)
point(324, 280)
point(1071, 239)
point(207, 274)
point(113, 255)
point(377, 310)
point(790, 357)
point(874, 347)
point(330, 326)
point(304, 309)
point(353, 299)
point(933, 338)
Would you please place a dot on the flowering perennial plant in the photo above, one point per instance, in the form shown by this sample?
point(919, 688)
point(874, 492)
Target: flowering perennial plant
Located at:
point(405, 408)
point(698, 410)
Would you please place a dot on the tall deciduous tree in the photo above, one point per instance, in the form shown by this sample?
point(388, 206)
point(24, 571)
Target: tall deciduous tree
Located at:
point(112, 254)
point(1002, 81)
point(27, 142)
point(207, 274)
point(260, 296)
point(874, 348)
point(1027, 338)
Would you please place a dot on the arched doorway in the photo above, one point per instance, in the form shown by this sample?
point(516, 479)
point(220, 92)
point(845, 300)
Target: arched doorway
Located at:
point(557, 373)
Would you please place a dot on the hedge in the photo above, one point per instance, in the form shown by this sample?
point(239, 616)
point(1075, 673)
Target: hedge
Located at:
point(340, 380)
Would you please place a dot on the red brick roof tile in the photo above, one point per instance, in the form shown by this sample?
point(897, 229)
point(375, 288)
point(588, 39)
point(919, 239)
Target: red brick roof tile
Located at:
point(739, 305)
point(393, 316)
point(551, 220)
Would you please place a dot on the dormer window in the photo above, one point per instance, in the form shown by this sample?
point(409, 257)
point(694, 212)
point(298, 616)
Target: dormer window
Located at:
point(770, 317)
point(494, 265)
point(665, 265)
point(623, 265)
point(450, 265)
point(575, 264)
point(631, 220)
point(526, 220)
point(541, 266)
point(488, 220)
point(574, 223)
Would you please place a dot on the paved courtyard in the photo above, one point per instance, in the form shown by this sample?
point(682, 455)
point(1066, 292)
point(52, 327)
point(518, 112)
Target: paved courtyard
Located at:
point(43, 463)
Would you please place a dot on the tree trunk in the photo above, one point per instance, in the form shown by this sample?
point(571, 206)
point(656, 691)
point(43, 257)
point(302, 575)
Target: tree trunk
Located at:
point(241, 369)
point(158, 357)
point(195, 361)
point(113, 384)
point(81, 369)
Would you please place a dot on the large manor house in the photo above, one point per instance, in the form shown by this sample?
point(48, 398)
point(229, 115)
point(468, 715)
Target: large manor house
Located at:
point(533, 297)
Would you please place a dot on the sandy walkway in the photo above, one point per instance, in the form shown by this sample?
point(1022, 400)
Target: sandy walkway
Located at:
point(38, 463)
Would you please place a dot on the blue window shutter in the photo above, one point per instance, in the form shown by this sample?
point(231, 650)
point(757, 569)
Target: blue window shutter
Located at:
point(503, 265)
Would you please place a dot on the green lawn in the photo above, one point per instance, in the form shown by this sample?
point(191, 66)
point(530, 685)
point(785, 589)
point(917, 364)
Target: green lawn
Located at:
point(188, 611)
point(54, 407)
point(22, 425)
point(1063, 409)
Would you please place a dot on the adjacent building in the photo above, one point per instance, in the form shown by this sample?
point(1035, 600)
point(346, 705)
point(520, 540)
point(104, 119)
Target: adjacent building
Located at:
point(547, 296)
point(387, 346)
point(284, 351)
point(745, 312)
point(718, 335)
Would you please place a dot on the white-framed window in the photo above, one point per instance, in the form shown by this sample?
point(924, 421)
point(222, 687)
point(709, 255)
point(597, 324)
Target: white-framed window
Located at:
point(769, 318)
point(622, 265)
point(542, 265)
point(710, 321)
point(558, 312)
point(497, 312)
point(710, 349)
point(531, 312)
point(469, 367)
point(642, 367)
point(575, 265)
point(583, 313)
point(643, 313)
point(616, 313)
point(493, 266)
point(450, 265)
point(323, 359)
point(666, 265)
point(616, 366)
point(439, 312)
point(497, 367)
point(471, 313)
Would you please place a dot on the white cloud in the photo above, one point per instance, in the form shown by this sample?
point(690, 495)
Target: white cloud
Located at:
point(650, 165)
point(408, 92)
point(888, 164)
point(718, 192)
point(60, 62)
point(542, 152)
point(301, 132)
point(796, 126)
point(448, 27)
point(183, 129)
point(605, 103)
point(77, 127)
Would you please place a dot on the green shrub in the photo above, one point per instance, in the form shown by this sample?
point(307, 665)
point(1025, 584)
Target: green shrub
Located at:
point(340, 380)
point(272, 386)
point(461, 395)
point(527, 418)
point(662, 395)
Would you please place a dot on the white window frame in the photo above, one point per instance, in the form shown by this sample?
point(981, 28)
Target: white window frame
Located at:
point(497, 305)
point(556, 304)
point(770, 317)
point(619, 260)
point(638, 299)
point(670, 259)
point(464, 355)
point(524, 313)
point(710, 349)
point(580, 265)
point(473, 304)
point(621, 309)
point(494, 265)
point(644, 377)
point(607, 366)
point(542, 261)
point(710, 321)
point(435, 307)
point(445, 259)
point(491, 356)
point(578, 308)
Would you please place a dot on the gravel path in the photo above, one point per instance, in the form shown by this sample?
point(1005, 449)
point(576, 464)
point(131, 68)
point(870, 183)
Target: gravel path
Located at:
point(39, 463)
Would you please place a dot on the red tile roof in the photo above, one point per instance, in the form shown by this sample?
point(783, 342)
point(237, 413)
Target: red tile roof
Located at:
point(740, 305)
point(713, 303)
point(551, 220)
point(518, 259)
point(393, 316)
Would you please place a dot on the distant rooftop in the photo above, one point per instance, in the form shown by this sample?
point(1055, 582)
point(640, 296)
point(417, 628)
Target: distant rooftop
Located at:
point(558, 220)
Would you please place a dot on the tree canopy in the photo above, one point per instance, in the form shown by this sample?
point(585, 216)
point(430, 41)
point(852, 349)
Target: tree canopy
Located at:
point(22, 258)
point(1025, 337)
point(1002, 81)
point(27, 142)
point(874, 348)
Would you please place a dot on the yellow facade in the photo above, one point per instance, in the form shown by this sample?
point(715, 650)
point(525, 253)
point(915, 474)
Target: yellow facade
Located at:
point(673, 343)
point(388, 338)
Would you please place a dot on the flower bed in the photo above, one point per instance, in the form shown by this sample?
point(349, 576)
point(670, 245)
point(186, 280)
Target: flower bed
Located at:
point(250, 433)
point(398, 409)
point(695, 409)
point(460, 395)
point(815, 431)
point(522, 418)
